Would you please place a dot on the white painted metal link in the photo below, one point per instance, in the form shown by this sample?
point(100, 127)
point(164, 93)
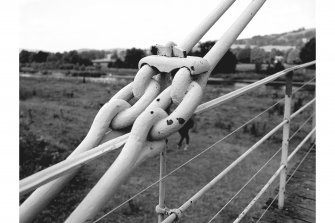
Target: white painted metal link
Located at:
point(171, 124)
point(136, 150)
point(128, 116)
point(187, 44)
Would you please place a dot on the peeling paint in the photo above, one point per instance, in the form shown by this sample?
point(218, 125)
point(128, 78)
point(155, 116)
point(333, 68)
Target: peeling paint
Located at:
point(181, 120)
point(169, 122)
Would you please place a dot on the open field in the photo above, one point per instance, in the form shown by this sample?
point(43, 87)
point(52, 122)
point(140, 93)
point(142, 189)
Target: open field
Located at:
point(56, 114)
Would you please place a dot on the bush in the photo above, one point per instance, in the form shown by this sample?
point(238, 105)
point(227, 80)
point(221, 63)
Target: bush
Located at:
point(35, 153)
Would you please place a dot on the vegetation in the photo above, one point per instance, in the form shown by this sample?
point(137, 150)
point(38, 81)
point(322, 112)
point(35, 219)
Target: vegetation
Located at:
point(293, 38)
point(226, 65)
point(307, 52)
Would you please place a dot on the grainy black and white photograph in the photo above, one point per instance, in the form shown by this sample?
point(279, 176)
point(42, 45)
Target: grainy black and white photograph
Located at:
point(165, 111)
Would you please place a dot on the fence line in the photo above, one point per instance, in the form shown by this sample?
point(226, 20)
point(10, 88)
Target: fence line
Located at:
point(302, 160)
point(278, 150)
point(275, 175)
point(239, 191)
point(197, 195)
point(302, 125)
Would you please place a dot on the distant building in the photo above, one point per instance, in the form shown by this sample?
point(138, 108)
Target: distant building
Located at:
point(277, 47)
point(104, 61)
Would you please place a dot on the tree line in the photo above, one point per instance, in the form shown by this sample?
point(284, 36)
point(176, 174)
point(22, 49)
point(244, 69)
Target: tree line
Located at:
point(129, 58)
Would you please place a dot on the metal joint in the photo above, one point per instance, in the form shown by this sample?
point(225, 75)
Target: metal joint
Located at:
point(177, 212)
point(169, 50)
point(160, 210)
point(164, 64)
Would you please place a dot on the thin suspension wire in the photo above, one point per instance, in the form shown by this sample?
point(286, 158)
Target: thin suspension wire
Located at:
point(302, 125)
point(304, 85)
point(196, 156)
point(310, 149)
point(237, 193)
point(279, 149)
point(190, 160)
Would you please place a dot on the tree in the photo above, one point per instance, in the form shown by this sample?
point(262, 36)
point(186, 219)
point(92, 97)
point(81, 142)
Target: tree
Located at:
point(55, 57)
point(257, 56)
point(243, 55)
point(307, 52)
point(293, 57)
point(133, 56)
point(71, 57)
point(25, 56)
point(40, 57)
point(228, 62)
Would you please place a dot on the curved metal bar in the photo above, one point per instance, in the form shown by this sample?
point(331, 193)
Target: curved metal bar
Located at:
point(187, 44)
point(179, 116)
point(136, 150)
point(126, 117)
point(125, 93)
point(142, 80)
point(180, 83)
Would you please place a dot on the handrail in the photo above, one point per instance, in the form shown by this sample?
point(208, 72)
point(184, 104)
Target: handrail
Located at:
point(274, 176)
point(288, 180)
point(44, 176)
point(223, 99)
point(208, 186)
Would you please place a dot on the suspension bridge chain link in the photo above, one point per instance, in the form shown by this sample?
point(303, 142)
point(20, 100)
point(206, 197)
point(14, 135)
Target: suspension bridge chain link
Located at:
point(288, 180)
point(117, 112)
point(188, 161)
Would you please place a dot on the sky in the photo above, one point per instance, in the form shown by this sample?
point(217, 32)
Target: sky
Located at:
point(63, 25)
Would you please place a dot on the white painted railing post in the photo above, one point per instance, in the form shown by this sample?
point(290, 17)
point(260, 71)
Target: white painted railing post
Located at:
point(285, 143)
point(162, 172)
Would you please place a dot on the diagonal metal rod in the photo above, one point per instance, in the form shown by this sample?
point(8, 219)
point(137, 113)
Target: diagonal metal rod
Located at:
point(194, 37)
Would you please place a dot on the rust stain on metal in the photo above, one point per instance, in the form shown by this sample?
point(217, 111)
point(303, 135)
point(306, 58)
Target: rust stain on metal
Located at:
point(169, 122)
point(181, 120)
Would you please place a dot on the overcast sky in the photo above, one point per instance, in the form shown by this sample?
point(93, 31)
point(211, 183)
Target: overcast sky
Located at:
point(62, 25)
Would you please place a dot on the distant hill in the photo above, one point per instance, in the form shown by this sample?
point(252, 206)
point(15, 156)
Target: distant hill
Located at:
point(295, 38)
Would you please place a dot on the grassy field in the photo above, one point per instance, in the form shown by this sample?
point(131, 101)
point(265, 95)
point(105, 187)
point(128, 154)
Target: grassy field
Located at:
point(56, 114)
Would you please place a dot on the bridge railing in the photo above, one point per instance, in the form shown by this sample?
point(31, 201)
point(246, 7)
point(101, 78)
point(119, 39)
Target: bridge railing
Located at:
point(153, 97)
point(66, 166)
point(285, 158)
